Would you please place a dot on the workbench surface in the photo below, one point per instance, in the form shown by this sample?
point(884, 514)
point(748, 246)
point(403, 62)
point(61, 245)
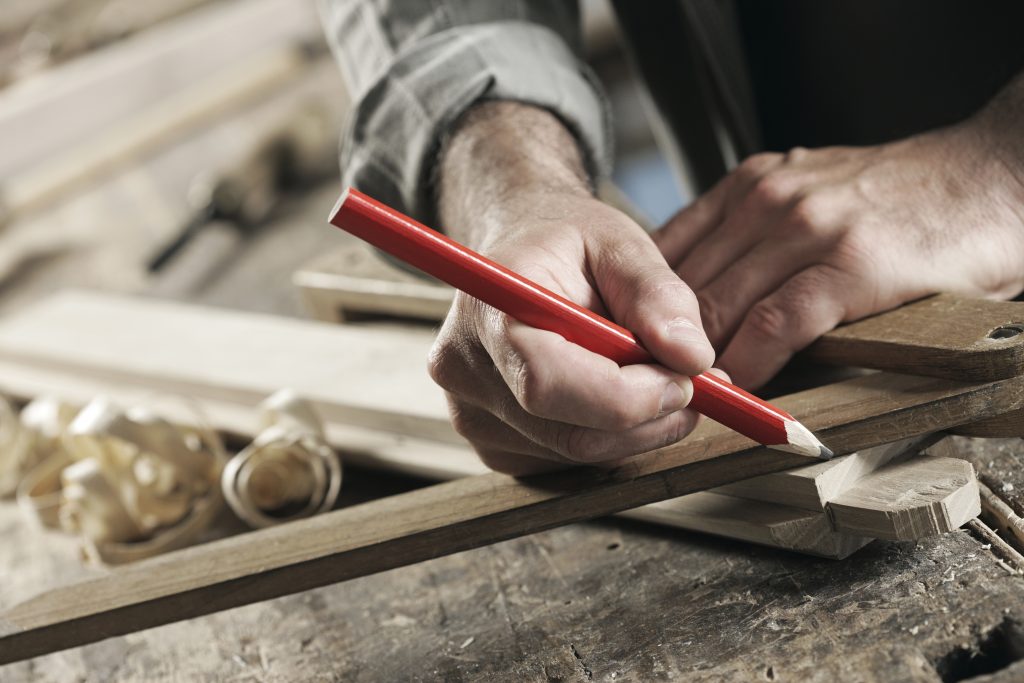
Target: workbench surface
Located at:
point(608, 600)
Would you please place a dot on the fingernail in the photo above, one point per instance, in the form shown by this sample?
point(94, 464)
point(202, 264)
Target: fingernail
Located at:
point(682, 330)
point(676, 396)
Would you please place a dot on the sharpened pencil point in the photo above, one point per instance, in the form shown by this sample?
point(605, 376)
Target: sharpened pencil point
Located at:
point(801, 441)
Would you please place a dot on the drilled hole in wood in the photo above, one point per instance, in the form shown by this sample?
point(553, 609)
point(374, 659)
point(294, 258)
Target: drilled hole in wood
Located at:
point(1006, 331)
point(993, 651)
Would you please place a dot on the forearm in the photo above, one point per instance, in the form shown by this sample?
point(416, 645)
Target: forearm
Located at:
point(414, 69)
point(499, 153)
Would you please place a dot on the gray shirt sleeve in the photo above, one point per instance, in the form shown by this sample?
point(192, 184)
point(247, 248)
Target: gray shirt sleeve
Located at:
point(412, 67)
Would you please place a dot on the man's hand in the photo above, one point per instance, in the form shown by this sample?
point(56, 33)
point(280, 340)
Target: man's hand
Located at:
point(788, 246)
point(512, 186)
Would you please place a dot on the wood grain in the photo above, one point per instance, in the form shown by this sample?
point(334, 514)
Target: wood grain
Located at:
point(459, 515)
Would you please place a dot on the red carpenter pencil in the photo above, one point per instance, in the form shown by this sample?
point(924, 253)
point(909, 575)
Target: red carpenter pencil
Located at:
point(528, 302)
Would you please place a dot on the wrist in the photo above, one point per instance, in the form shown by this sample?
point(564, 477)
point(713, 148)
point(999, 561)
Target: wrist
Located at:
point(501, 157)
point(999, 128)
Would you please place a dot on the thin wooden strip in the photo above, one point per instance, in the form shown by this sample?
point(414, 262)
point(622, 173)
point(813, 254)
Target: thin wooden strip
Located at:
point(469, 513)
point(1000, 511)
point(1001, 426)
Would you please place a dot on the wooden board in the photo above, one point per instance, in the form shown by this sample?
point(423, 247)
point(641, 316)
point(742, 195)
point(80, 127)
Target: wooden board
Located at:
point(354, 376)
point(943, 336)
point(770, 524)
point(455, 516)
point(103, 88)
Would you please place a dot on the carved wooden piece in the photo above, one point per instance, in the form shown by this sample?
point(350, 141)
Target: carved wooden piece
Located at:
point(909, 500)
point(471, 512)
point(813, 486)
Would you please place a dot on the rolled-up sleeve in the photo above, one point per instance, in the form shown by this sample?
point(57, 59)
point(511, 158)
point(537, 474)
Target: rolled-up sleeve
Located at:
point(414, 67)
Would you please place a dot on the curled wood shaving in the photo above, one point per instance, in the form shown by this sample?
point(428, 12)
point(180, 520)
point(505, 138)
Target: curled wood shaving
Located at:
point(288, 471)
point(129, 483)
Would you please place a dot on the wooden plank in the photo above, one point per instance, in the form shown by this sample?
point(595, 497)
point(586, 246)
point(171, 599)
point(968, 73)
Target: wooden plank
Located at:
point(353, 375)
point(943, 336)
point(103, 88)
point(923, 496)
point(467, 513)
point(96, 156)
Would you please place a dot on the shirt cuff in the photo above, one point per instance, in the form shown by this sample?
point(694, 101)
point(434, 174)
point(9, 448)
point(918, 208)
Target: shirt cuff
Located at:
point(392, 140)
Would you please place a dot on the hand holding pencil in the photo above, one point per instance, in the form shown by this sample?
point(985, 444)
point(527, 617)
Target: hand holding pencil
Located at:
point(578, 328)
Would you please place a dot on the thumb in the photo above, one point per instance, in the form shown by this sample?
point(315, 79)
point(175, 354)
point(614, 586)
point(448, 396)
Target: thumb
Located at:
point(646, 297)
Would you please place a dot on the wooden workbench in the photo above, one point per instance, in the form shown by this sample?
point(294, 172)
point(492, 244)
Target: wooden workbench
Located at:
point(603, 601)
point(609, 600)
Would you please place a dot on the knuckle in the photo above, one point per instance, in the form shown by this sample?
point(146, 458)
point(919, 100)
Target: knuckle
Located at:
point(853, 251)
point(440, 363)
point(796, 155)
point(624, 414)
point(809, 215)
point(573, 443)
point(771, 190)
point(768, 320)
point(585, 446)
point(756, 164)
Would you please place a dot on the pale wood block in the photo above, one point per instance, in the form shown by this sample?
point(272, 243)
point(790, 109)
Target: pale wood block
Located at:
point(923, 496)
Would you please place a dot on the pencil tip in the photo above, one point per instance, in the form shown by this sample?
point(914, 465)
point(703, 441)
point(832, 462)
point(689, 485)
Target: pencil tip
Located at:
point(802, 442)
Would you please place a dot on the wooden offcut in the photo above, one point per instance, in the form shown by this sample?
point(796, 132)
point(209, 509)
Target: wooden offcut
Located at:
point(909, 500)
